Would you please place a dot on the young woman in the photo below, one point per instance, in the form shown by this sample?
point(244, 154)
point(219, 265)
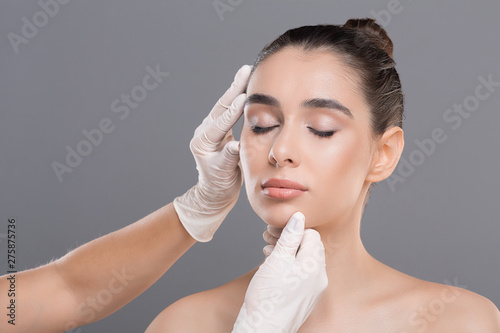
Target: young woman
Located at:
point(322, 123)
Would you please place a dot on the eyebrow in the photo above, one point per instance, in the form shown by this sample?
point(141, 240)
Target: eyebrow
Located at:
point(327, 103)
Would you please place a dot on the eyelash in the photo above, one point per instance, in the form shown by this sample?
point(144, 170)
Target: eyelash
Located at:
point(262, 130)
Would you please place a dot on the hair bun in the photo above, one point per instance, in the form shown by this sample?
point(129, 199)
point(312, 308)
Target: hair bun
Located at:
point(373, 31)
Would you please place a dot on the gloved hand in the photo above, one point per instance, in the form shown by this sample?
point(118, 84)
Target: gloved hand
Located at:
point(271, 236)
point(202, 208)
point(287, 286)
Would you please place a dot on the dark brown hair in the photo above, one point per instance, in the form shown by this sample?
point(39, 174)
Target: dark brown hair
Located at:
point(366, 48)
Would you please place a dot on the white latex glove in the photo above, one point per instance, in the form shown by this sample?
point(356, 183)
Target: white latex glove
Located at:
point(287, 286)
point(203, 207)
point(271, 236)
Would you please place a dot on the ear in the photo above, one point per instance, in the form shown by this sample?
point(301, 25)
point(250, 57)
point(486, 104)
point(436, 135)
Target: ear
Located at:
point(386, 156)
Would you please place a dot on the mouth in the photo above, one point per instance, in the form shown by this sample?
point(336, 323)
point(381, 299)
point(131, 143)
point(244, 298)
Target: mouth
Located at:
point(282, 188)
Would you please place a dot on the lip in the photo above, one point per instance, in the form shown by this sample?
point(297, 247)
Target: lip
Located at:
point(280, 188)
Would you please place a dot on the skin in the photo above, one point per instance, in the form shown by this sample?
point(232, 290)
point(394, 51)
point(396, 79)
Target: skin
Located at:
point(363, 294)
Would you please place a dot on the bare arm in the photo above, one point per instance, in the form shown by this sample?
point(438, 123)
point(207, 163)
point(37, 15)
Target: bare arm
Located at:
point(96, 279)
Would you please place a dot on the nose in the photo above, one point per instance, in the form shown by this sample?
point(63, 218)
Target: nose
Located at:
point(285, 150)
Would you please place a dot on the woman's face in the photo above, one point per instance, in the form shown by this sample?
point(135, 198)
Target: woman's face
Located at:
point(295, 100)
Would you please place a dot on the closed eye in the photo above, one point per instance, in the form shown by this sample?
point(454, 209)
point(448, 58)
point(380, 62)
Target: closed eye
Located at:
point(262, 130)
point(325, 134)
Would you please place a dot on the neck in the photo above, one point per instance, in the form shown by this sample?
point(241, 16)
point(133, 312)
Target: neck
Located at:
point(350, 268)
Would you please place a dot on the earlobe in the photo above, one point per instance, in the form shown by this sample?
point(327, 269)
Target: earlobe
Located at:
point(388, 151)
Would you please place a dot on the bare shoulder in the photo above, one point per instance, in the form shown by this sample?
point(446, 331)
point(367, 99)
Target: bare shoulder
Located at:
point(447, 308)
point(425, 306)
point(472, 312)
point(213, 310)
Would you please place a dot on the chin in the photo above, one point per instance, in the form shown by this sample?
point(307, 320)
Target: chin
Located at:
point(277, 215)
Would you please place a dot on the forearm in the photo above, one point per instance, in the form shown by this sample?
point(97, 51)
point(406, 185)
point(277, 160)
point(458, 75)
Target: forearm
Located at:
point(124, 263)
point(99, 277)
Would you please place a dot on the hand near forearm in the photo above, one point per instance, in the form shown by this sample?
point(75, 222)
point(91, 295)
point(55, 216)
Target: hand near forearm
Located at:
point(98, 278)
point(203, 208)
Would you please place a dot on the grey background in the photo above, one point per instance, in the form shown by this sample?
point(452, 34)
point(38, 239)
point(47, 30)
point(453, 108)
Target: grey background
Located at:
point(441, 224)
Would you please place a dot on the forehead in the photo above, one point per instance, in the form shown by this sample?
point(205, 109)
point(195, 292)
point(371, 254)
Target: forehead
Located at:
point(293, 75)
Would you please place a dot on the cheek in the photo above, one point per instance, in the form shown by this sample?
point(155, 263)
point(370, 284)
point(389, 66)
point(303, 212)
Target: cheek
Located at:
point(331, 161)
point(254, 149)
point(254, 152)
point(252, 155)
point(345, 160)
point(338, 172)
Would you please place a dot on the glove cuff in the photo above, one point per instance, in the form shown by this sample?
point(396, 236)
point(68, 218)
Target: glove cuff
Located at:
point(200, 221)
